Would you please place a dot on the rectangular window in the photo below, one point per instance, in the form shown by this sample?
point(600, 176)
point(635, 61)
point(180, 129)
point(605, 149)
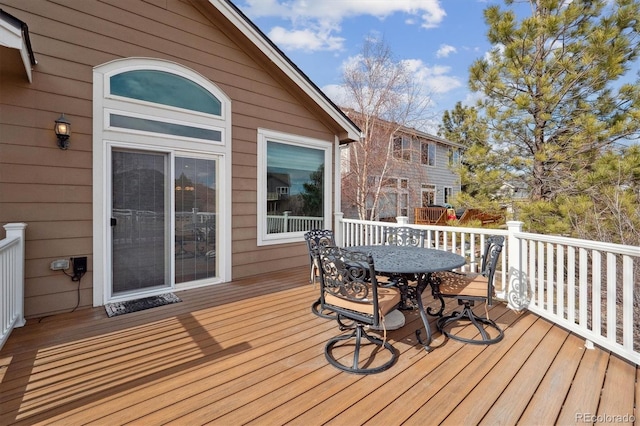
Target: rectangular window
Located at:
point(428, 195)
point(388, 206)
point(402, 148)
point(294, 186)
point(428, 154)
point(404, 204)
point(454, 157)
point(155, 126)
point(390, 182)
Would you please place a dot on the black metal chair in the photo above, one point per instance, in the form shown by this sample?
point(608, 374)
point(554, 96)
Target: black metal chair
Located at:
point(409, 237)
point(315, 239)
point(350, 289)
point(404, 236)
point(468, 289)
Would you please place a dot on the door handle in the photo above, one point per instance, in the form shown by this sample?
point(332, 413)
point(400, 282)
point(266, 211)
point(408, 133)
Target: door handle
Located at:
point(114, 221)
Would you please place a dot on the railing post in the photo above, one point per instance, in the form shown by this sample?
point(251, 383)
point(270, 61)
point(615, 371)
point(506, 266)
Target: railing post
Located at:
point(402, 220)
point(516, 291)
point(339, 228)
point(17, 230)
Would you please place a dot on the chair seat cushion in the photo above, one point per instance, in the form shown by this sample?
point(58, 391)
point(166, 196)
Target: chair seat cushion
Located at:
point(392, 321)
point(388, 299)
point(455, 284)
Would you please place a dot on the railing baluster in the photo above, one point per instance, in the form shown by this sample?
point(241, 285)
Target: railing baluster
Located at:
point(582, 279)
point(627, 302)
point(560, 310)
point(612, 297)
point(12, 280)
point(549, 285)
point(596, 292)
point(558, 278)
point(571, 285)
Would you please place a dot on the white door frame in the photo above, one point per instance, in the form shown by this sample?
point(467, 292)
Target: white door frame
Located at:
point(106, 137)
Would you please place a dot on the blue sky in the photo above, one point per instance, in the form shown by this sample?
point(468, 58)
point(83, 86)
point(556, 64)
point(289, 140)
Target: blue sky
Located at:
point(439, 38)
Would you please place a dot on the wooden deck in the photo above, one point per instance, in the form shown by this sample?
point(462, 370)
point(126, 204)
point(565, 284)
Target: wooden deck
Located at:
point(252, 352)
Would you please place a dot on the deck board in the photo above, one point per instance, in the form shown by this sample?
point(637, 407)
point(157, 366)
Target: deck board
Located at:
point(617, 393)
point(486, 392)
point(251, 352)
point(446, 400)
point(513, 400)
point(545, 405)
point(585, 391)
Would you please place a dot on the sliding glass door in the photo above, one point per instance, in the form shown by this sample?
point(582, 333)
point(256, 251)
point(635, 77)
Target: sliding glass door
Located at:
point(139, 221)
point(196, 201)
point(145, 248)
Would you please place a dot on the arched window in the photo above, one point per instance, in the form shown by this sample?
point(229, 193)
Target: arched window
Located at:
point(164, 88)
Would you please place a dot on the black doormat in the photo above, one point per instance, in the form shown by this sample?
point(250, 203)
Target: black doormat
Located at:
point(120, 308)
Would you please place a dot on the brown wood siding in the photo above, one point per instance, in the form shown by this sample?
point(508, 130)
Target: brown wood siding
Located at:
point(51, 189)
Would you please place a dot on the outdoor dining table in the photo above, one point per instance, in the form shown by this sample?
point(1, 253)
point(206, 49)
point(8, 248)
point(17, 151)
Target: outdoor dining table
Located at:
point(420, 262)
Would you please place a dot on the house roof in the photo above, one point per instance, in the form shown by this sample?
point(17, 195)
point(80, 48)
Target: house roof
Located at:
point(409, 130)
point(14, 34)
point(350, 131)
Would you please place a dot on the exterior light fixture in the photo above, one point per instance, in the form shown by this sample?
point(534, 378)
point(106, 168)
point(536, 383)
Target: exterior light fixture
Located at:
point(63, 130)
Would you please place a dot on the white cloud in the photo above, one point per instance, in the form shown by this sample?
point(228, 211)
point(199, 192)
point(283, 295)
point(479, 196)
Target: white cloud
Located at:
point(325, 17)
point(445, 50)
point(338, 94)
point(305, 39)
point(436, 79)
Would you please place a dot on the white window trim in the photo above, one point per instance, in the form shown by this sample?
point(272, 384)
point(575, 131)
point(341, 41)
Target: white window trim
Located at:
point(104, 139)
point(435, 153)
point(286, 138)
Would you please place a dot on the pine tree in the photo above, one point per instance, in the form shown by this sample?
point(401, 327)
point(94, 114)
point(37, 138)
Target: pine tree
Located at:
point(481, 170)
point(549, 91)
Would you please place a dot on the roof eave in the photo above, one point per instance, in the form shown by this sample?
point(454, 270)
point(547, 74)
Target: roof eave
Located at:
point(14, 34)
point(351, 132)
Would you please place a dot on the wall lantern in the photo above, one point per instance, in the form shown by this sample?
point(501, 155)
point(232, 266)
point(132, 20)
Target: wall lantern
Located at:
point(63, 130)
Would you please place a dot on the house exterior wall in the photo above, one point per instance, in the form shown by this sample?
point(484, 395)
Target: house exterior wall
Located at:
point(51, 189)
point(417, 174)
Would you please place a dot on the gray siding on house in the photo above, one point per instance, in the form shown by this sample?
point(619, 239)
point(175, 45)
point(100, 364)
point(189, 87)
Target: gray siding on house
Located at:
point(441, 175)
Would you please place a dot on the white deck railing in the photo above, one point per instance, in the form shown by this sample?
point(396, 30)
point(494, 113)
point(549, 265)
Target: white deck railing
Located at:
point(11, 280)
point(465, 241)
point(591, 288)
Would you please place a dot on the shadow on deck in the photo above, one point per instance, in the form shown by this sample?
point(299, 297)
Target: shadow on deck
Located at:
point(251, 351)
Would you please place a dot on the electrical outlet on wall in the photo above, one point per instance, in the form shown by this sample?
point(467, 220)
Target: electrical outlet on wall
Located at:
point(79, 265)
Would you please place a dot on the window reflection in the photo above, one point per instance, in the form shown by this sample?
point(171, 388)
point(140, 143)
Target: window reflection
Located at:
point(165, 88)
point(295, 188)
point(155, 126)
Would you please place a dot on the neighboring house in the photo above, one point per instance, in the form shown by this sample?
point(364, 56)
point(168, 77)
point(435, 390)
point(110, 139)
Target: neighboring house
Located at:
point(420, 174)
point(181, 113)
point(513, 193)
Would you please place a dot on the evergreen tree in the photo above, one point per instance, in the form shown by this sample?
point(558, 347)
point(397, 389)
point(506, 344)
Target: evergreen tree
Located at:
point(548, 87)
point(481, 170)
point(605, 207)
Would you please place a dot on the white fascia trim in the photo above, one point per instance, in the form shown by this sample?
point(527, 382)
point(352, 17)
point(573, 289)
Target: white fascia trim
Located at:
point(11, 37)
point(275, 56)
